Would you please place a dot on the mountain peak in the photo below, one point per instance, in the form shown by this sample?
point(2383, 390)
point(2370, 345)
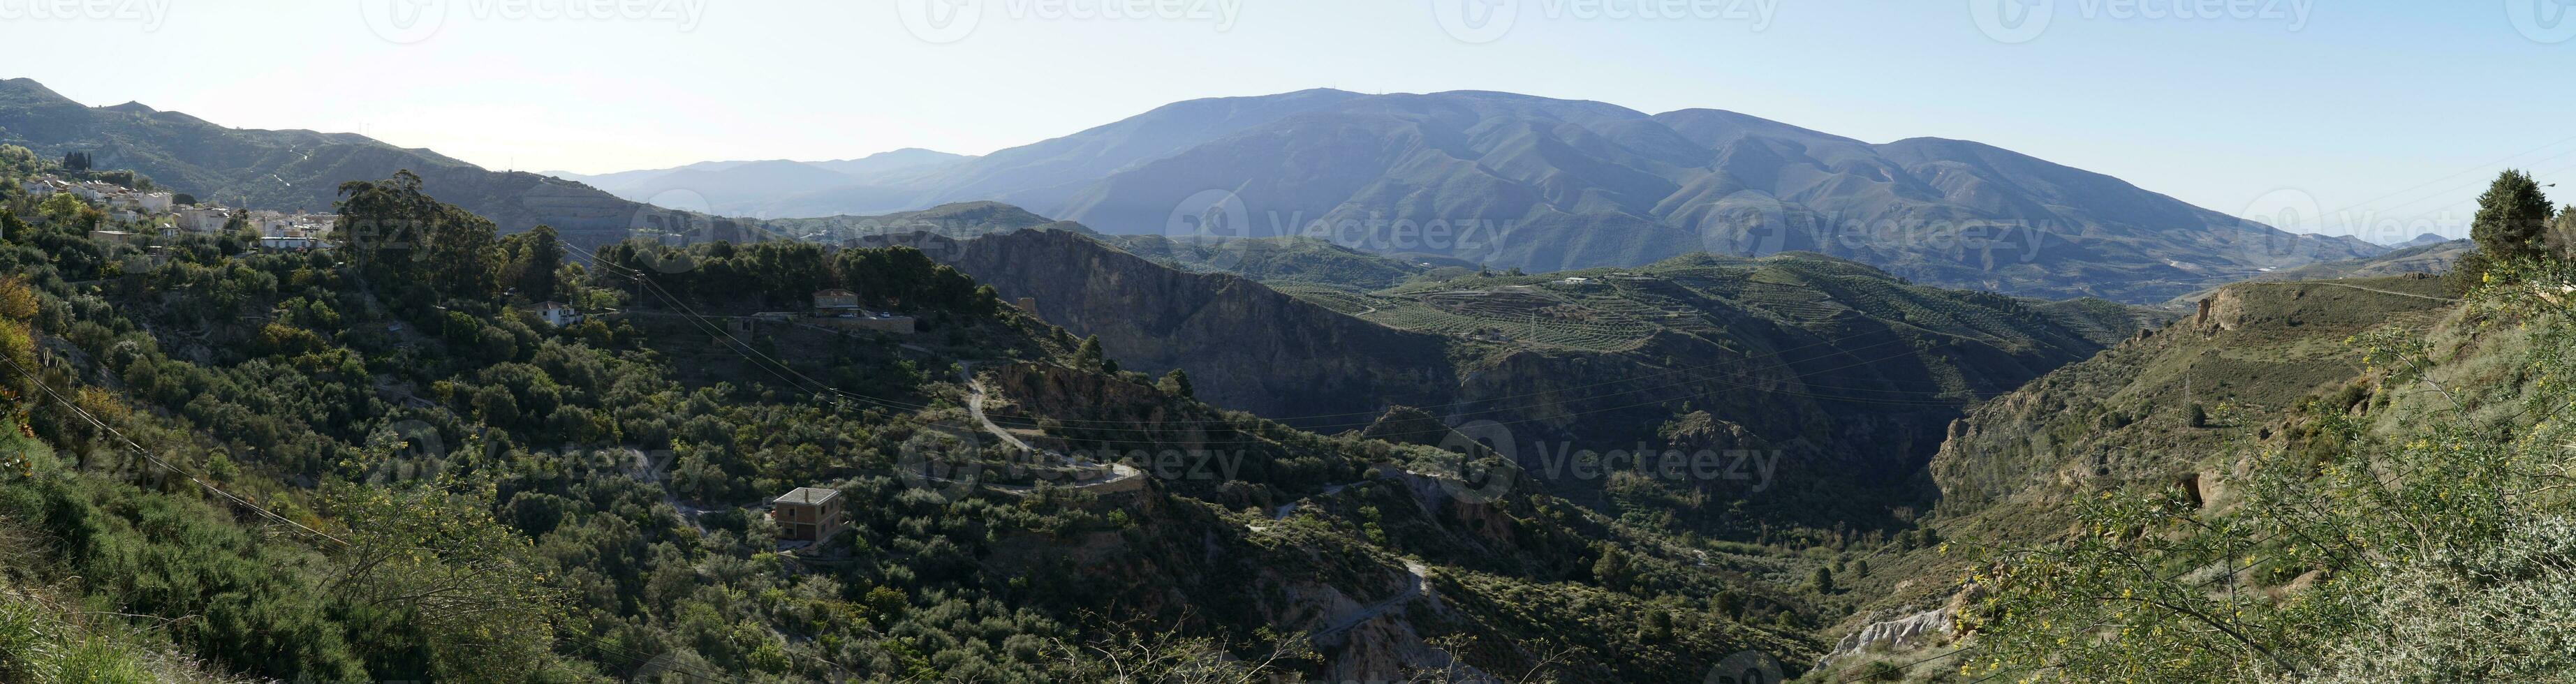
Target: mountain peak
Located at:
point(29, 86)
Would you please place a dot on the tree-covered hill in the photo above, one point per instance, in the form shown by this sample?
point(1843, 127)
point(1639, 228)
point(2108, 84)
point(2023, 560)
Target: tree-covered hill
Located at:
point(296, 170)
point(380, 462)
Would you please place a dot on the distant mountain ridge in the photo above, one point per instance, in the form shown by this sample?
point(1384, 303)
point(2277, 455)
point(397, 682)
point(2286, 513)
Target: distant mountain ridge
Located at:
point(294, 169)
point(1546, 184)
point(1505, 180)
point(771, 188)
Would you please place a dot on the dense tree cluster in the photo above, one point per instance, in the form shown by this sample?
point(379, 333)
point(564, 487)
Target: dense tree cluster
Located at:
point(435, 484)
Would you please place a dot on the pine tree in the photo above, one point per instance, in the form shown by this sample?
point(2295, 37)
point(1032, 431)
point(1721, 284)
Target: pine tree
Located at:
point(2512, 216)
point(1088, 356)
point(1823, 580)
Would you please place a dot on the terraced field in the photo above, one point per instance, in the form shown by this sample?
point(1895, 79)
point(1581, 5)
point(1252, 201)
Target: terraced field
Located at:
point(1330, 297)
point(1518, 314)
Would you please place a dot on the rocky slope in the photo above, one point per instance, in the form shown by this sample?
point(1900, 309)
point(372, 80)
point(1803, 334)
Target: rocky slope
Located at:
point(1841, 376)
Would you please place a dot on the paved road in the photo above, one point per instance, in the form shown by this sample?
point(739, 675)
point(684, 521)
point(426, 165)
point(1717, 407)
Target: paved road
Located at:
point(1118, 472)
point(2390, 292)
point(975, 407)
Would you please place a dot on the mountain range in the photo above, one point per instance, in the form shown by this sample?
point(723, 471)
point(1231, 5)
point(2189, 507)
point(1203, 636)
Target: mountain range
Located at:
point(768, 188)
point(1517, 181)
point(1498, 179)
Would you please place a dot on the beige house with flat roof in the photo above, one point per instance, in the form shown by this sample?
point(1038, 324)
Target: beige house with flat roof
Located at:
point(808, 514)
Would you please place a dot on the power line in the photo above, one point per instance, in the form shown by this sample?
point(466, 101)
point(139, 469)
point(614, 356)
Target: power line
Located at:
point(156, 460)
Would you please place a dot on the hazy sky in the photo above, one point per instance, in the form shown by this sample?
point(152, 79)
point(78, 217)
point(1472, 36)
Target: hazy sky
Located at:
point(2383, 116)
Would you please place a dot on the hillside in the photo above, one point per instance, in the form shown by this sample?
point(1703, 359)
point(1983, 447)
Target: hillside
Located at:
point(405, 468)
point(1850, 375)
point(2182, 412)
point(296, 170)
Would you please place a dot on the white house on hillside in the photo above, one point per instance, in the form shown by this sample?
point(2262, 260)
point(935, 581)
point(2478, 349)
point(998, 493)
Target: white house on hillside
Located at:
point(203, 219)
point(558, 314)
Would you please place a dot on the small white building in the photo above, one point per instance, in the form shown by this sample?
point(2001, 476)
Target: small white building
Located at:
point(558, 314)
point(1575, 280)
point(203, 219)
point(98, 191)
point(154, 202)
point(37, 187)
